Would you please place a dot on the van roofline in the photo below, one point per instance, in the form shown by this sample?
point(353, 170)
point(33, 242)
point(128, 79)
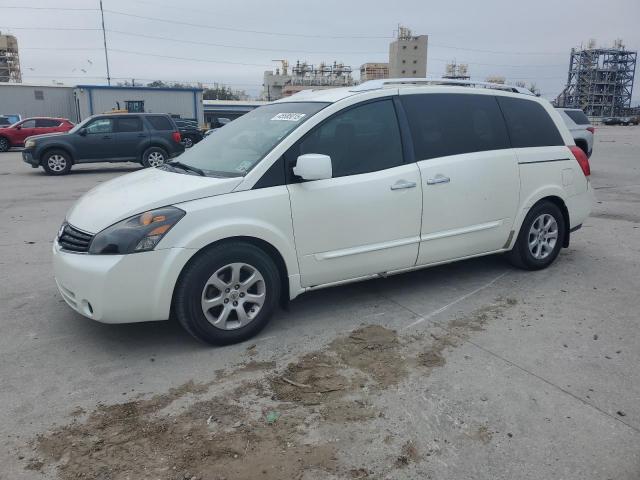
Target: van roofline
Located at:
point(415, 82)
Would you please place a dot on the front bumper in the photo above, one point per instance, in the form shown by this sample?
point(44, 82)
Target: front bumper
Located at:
point(28, 157)
point(119, 288)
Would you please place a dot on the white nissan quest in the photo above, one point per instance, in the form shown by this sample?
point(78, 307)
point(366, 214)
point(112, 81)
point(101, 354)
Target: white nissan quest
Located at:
point(323, 188)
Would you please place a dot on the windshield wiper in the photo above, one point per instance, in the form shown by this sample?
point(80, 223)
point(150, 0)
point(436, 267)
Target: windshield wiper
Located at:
point(189, 168)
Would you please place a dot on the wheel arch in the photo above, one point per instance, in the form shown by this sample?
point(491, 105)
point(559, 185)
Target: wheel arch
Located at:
point(48, 149)
point(265, 246)
point(554, 195)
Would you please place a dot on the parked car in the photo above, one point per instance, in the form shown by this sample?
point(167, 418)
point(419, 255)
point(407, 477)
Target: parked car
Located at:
point(190, 131)
point(611, 121)
point(16, 134)
point(319, 189)
point(628, 121)
point(150, 139)
point(13, 117)
point(580, 128)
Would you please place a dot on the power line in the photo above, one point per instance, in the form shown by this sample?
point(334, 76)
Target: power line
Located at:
point(191, 59)
point(58, 9)
point(208, 44)
point(229, 29)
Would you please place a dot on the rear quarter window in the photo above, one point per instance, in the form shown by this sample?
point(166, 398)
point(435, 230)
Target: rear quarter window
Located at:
point(529, 124)
point(578, 117)
point(158, 122)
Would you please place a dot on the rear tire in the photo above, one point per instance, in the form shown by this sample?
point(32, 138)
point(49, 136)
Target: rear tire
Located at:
point(56, 162)
point(4, 144)
point(154, 157)
point(227, 294)
point(540, 239)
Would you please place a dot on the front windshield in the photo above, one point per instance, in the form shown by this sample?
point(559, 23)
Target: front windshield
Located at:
point(78, 126)
point(237, 147)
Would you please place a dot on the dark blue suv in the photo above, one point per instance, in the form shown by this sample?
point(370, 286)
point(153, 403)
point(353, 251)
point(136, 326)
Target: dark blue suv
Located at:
point(150, 139)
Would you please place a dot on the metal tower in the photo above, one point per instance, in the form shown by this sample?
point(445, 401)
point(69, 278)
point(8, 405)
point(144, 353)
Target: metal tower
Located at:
point(600, 80)
point(9, 59)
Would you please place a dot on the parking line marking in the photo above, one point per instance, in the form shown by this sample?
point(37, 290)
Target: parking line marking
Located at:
point(457, 300)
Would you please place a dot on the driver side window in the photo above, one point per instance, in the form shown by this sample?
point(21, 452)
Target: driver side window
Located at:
point(359, 140)
point(101, 125)
point(28, 124)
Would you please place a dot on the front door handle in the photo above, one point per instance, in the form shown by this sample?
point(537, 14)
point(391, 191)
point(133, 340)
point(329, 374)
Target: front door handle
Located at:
point(400, 184)
point(438, 179)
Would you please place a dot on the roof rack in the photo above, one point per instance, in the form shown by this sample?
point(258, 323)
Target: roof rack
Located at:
point(395, 82)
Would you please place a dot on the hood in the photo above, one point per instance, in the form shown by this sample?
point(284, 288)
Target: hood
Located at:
point(140, 191)
point(44, 136)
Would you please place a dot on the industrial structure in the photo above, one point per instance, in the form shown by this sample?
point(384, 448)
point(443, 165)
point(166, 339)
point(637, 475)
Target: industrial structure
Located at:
point(408, 55)
point(9, 59)
point(600, 80)
point(457, 71)
point(302, 76)
point(373, 71)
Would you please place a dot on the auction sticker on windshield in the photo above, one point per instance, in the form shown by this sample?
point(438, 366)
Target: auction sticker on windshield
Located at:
point(290, 117)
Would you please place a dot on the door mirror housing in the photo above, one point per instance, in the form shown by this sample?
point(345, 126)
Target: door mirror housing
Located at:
point(18, 127)
point(313, 166)
point(82, 131)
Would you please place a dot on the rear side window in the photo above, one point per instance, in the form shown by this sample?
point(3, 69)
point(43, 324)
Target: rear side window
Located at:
point(46, 123)
point(444, 124)
point(359, 140)
point(160, 123)
point(529, 123)
point(129, 124)
point(577, 116)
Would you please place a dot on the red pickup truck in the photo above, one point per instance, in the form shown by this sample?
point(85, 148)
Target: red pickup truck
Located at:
point(16, 134)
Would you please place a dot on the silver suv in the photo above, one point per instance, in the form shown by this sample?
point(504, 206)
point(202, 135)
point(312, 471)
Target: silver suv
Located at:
point(580, 128)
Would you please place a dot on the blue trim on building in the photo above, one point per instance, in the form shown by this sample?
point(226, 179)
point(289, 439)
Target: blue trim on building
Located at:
point(122, 87)
point(229, 108)
point(90, 101)
point(195, 105)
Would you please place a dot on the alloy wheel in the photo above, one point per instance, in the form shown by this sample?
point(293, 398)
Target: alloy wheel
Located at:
point(233, 296)
point(155, 159)
point(543, 236)
point(57, 163)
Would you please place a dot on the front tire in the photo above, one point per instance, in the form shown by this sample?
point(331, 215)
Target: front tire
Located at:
point(56, 162)
point(154, 157)
point(228, 293)
point(4, 144)
point(540, 239)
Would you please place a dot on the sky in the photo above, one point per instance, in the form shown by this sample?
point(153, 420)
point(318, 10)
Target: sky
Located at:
point(235, 41)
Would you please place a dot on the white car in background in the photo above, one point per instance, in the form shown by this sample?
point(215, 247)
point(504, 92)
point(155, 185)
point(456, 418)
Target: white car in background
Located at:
point(323, 188)
point(580, 127)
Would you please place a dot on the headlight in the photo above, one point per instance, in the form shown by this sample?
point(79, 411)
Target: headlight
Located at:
point(139, 233)
point(29, 143)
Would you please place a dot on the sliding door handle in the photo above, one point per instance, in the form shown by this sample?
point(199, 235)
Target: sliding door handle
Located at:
point(400, 184)
point(438, 179)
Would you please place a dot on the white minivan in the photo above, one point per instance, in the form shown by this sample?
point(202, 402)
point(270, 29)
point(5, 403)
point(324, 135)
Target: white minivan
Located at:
point(323, 188)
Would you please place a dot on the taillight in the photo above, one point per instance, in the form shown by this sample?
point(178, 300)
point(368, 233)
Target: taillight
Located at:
point(591, 129)
point(582, 159)
point(176, 137)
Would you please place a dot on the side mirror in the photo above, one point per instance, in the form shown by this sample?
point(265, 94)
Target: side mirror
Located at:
point(18, 127)
point(82, 131)
point(313, 166)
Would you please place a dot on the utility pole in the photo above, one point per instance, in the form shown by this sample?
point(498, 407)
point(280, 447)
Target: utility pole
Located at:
point(104, 38)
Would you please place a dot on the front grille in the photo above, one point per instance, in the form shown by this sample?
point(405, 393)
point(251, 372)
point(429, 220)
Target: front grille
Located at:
point(74, 240)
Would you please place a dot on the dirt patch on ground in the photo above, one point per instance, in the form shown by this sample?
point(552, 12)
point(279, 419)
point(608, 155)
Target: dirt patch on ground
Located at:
point(259, 422)
point(374, 350)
